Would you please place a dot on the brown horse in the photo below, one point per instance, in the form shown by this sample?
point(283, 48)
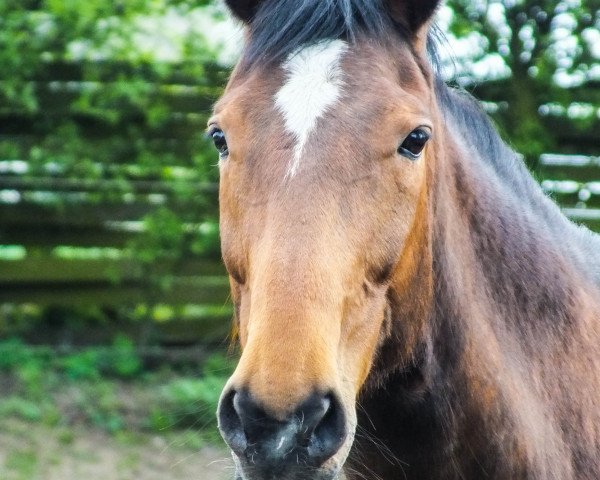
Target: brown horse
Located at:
point(408, 302)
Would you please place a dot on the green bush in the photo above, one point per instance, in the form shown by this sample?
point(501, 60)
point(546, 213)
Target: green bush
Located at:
point(124, 361)
point(13, 353)
point(188, 403)
point(83, 365)
point(109, 389)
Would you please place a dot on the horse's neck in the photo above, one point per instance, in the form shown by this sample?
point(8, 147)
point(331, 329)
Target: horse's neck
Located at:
point(501, 245)
point(514, 320)
point(511, 330)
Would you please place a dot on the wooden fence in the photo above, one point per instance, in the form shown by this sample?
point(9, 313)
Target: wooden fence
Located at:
point(64, 248)
point(573, 181)
point(39, 275)
point(79, 175)
point(44, 209)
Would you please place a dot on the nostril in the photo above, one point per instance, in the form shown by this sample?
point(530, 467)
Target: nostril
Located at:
point(311, 414)
point(329, 434)
point(230, 423)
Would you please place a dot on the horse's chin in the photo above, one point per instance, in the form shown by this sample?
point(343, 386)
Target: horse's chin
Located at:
point(338, 476)
point(331, 471)
point(313, 476)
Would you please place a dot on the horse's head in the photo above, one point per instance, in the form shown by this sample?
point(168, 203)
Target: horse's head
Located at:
point(325, 134)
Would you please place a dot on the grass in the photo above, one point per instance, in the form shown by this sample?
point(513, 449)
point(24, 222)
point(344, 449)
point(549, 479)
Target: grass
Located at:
point(34, 451)
point(22, 462)
point(100, 413)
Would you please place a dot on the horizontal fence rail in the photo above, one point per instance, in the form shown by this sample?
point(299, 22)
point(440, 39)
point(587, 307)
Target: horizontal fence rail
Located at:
point(572, 180)
point(75, 219)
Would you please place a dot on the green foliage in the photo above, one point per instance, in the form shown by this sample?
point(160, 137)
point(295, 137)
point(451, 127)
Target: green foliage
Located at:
point(163, 240)
point(107, 106)
point(24, 461)
point(14, 353)
point(192, 402)
point(124, 359)
point(218, 365)
point(188, 402)
point(33, 366)
point(100, 405)
point(82, 365)
point(105, 103)
point(547, 48)
point(119, 360)
point(108, 388)
point(21, 408)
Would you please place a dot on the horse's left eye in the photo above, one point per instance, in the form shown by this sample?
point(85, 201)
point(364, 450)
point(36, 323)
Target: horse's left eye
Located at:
point(413, 145)
point(218, 138)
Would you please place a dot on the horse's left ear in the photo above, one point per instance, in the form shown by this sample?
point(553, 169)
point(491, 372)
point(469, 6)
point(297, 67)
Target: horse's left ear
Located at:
point(243, 9)
point(416, 16)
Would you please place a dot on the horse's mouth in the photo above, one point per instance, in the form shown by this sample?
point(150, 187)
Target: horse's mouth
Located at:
point(247, 471)
point(291, 476)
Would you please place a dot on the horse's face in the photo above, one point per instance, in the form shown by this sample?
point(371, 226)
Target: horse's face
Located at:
point(323, 204)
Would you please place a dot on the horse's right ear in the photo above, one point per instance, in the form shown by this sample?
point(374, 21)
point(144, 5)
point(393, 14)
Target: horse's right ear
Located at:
point(416, 16)
point(243, 9)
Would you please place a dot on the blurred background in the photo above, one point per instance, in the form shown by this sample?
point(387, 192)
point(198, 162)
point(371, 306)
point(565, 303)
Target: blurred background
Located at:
point(114, 312)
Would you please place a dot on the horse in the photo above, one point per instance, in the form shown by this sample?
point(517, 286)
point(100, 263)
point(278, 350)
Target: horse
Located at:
point(409, 304)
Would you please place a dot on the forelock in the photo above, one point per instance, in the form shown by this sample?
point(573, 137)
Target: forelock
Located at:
point(281, 27)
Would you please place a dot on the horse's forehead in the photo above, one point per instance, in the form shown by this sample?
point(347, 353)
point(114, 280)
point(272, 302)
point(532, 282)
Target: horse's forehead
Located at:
point(331, 86)
point(316, 77)
point(304, 71)
point(314, 82)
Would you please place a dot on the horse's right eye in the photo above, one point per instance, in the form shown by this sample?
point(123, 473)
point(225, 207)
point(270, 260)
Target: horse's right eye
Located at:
point(218, 138)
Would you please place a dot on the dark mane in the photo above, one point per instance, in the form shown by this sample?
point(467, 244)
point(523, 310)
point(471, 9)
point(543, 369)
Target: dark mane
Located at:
point(280, 27)
point(506, 167)
point(478, 132)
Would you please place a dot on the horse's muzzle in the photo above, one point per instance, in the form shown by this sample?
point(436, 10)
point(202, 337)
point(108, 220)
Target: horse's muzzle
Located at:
point(269, 448)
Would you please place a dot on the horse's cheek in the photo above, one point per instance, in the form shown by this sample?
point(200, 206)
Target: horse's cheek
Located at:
point(360, 337)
